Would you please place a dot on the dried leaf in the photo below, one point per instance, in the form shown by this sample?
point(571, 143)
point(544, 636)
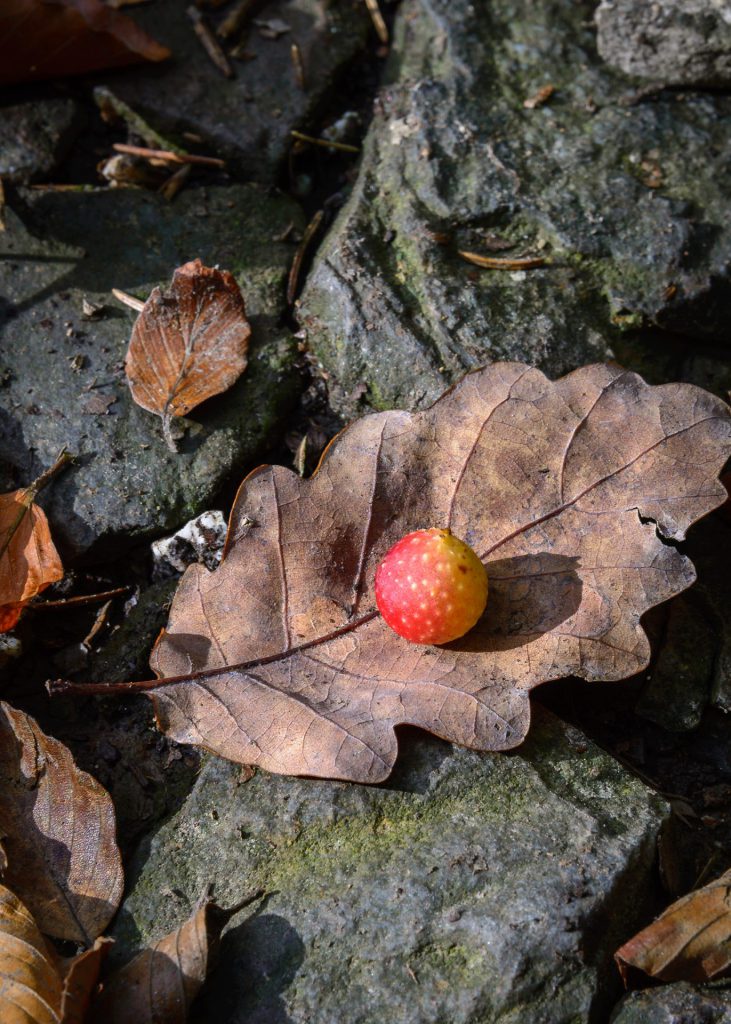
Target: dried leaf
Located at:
point(31, 989)
point(81, 975)
point(29, 561)
point(188, 343)
point(161, 982)
point(59, 833)
point(691, 941)
point(52, 38)
point(281, 657)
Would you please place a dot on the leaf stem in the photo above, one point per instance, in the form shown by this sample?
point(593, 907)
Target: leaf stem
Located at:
point(58, 686)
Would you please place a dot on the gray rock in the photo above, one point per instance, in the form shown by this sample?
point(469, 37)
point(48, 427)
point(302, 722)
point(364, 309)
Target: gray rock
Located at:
point(470, 888)
point(692, 668)
point(35, 137)
point(248, 118)
point(675, 1004)
point(63, 374)
point(626, 201)
point(671, 42)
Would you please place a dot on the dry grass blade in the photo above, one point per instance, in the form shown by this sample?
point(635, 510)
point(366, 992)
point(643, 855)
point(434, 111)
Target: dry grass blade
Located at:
point(160, 983)
point(59, 833)
point(691, 941)
point(188, 343)
point(294, 271)
point(567, 491)
point(503, 263)
point(31, 989)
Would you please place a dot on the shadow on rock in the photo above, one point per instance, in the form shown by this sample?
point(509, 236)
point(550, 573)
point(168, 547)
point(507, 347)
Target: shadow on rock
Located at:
point(259, 960)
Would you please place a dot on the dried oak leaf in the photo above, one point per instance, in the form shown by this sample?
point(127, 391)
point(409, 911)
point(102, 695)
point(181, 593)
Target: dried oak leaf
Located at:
point(567, 491)
point(51, 38)
point(161, 982)
point(29, 561)
point(691, 941)
point(188, 343)
point(36, 986)
point(58, 832)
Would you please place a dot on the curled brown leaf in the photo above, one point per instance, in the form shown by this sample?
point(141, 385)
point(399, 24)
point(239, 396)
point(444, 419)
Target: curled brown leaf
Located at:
point(58, 832)
point(161, 982)
point(31, 987)
point(52, 38)
point(188, 343)
point(690, 941)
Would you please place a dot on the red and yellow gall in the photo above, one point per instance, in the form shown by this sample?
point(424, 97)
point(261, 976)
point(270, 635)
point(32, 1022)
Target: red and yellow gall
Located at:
point(431, 587)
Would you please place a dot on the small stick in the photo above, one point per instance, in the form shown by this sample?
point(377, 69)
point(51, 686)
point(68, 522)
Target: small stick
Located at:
point(170, 188)
point(2, 205)
point(495, 263)
point(298, 65)
point(209, 42)
point(168, 156)
point(325, 143)
point(294, 273)
point(236, 19)
point(108, 102)
point(30, 494)
point(99, 622)
point(68, 602)
point(128, 300)
point(377, 18)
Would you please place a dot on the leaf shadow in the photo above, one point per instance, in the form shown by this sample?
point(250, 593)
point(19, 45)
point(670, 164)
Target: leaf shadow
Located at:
point(529, 595)
point(258, 961)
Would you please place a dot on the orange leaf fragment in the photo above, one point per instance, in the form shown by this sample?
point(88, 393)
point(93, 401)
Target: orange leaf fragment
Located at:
point(188, 343)
point(52, 38)
point(29, 561)
point(690, 941)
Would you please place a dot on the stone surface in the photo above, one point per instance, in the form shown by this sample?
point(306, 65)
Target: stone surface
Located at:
point(675, 1004)
point(692, 668)
point(470, 888)
point(63, 377)
point(248, 118)
point(35, 136)
point(626, 200)
point(671, 42)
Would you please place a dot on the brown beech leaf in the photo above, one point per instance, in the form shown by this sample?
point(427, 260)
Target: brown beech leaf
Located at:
point(161, 982)
point(691, 941)
point(31, 987)
point(188, 343)
point(52, 38)
point(80, 977)
point(58, 832)
point(566, 490)
point(29, 561)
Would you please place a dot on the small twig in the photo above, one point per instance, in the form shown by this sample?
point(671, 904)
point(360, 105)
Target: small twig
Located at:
point(168, 156)
point(298, 65)
point(377, 18)
point(68, 602)
point(109, 104)
point(29, 495)
point(2, 205)
point(496, 263)
point(172, 185)
point(237, 18)
point(294, 273)
point(128, 300)
point(58, 686)
point(99, 622)
point(325, 143)
point(209, 42)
